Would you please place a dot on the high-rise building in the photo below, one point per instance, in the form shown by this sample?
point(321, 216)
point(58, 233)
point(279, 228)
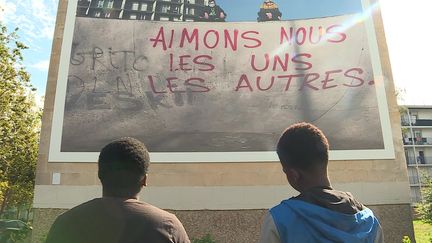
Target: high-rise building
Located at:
point(158, 10)
point(417, 140)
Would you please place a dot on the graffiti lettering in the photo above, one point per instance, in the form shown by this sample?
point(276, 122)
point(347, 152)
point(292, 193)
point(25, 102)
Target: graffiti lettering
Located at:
point(312, 35)
point(308, 81)
point(282, 63)
point(114, 59)
point(186, 62)
point(205, 39)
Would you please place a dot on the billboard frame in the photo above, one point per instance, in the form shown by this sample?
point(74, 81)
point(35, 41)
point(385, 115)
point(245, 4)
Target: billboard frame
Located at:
point(55, 154)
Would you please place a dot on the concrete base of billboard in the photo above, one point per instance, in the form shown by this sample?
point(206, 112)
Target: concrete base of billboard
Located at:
point(243, 226)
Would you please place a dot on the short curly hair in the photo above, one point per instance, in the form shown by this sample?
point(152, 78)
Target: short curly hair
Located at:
point(123, 163)
point(303, 146)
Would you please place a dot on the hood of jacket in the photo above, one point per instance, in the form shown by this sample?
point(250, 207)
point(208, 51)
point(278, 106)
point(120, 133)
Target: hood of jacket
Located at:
point(299, 221)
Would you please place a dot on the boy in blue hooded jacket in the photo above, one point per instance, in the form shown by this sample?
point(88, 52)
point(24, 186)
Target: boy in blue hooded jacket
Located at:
point(319, 213)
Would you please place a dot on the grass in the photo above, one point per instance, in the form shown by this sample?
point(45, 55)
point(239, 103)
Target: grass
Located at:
point(206, 239)
point(423, 232)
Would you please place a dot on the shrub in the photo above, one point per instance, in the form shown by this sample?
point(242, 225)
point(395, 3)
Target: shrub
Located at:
point(424, 208)
point(406, 239)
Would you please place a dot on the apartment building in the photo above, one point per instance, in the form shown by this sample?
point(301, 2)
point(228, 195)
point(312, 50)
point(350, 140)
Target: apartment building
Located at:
point(417, 140)
point(158, 10)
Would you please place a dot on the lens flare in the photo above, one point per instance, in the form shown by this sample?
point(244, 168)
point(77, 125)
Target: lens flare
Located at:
point(356, 19)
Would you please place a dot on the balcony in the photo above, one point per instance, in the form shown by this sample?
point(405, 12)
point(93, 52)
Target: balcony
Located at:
point(168, 12)
point(410, 160)
point(407, 141)
point(144, 11)
point(417, 181)
point(415, 199)
point(426, 161)
point(172, 2)
point(413, 180)
point(405, 122)
point(423, 122)
point(198, 2)
point(422, 141)
point(417, 123)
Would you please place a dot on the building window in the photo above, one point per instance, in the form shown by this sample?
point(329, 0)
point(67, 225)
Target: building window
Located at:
point(144, 7)
point(110, 4)
point(164, 18)
point(190, 11)
point(107, 15)
point(133, 16)
point(83, 3)
point(135, 6)
point(164, 8)
point(174, 10)
point(100, 4)
point(97, 14)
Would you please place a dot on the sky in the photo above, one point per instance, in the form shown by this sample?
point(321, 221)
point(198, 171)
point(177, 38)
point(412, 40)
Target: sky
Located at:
point(36, 21)
point(406, 25)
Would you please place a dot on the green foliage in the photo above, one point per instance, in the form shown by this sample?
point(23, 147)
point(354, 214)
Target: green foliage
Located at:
point(406, 239)
point(19, 125)
point(423, 231)
point(3, 186)
point(206, 239)
point(403, 110)
point(18, 236)
point(425, 207)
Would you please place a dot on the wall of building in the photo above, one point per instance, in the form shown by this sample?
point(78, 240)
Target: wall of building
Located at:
point(243, 226)
point(227, 200)
point(419, 154)
point(169, 10)
point(426, 133)
point(423, 113)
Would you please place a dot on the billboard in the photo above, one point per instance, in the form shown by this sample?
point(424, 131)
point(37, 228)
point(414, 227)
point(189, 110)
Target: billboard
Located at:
point(219, 91)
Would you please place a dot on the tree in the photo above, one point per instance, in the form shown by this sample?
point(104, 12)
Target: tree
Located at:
point(19, 125)
point(425, 207)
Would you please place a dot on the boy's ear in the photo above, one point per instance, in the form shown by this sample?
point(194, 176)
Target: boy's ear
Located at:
point(144, 180)
point(293, 174)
